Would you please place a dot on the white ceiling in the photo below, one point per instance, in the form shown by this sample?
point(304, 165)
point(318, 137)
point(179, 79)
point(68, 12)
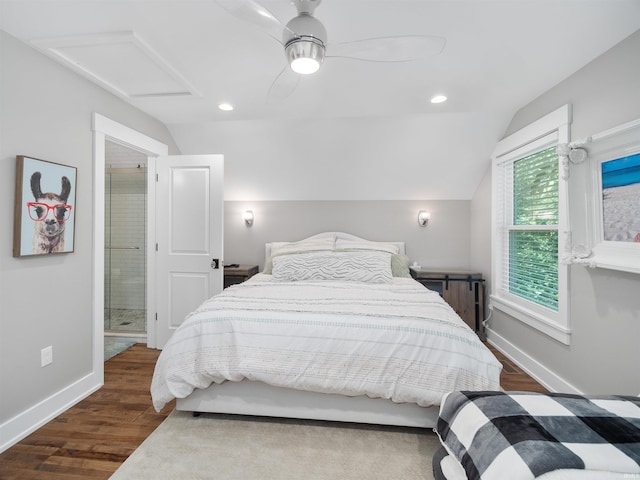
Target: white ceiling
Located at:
point(499, 55)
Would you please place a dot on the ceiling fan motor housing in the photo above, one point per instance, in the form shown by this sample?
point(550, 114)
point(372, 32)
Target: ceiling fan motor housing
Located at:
point(307, 42)
point(304, 25)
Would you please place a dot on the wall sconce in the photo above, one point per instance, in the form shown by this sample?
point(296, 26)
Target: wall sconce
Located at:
point(248, 218)
point(423, 218)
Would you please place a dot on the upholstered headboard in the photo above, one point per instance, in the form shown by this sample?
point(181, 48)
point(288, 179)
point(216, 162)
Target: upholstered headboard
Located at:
point(338, 235)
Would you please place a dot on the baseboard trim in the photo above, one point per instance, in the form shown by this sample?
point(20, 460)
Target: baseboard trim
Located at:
point(543, 375)
point(25, 423)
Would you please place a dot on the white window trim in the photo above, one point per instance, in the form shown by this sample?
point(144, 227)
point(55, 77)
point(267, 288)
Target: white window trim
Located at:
point(552, 129)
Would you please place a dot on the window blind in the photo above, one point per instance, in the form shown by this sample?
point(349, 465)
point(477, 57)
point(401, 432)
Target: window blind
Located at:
point(529, 227)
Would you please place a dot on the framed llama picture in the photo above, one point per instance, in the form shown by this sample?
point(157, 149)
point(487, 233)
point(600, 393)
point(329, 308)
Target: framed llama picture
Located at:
point(43, 219)
point(614, 221)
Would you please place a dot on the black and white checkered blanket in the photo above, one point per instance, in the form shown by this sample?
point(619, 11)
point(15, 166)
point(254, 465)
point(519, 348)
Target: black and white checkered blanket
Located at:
point(523, 435)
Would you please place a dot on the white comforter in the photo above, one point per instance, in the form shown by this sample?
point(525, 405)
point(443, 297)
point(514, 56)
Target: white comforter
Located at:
point(396, 341)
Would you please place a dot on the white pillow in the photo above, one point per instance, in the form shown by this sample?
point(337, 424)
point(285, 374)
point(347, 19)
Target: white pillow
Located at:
point(360, 266)
point(342, 244)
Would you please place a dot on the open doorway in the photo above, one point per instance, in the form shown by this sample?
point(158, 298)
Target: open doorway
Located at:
point(108, 132)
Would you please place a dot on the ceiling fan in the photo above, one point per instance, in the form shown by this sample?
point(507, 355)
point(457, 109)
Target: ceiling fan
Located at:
point(304, 39)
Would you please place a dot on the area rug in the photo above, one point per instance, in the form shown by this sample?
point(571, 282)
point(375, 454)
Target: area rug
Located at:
point(115, 345)
point(232, 447)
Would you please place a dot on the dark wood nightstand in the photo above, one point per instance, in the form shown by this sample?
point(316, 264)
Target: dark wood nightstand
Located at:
point(239, 274)
point(462, 289)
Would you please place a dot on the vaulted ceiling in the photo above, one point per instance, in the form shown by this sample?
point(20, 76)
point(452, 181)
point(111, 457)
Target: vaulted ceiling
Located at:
point(178, 59)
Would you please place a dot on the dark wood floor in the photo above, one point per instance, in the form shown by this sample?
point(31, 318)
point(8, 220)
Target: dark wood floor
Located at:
point(92, 439)
point(513, 378)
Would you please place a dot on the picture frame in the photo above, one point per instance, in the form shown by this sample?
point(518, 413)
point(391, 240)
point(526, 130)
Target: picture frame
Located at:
point(613, 221)
point(45, 206)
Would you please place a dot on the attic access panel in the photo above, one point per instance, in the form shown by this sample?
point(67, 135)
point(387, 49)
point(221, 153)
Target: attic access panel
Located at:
point(122, 62)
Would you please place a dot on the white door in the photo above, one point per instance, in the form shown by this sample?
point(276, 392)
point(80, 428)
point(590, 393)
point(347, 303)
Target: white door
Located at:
point(189, 237)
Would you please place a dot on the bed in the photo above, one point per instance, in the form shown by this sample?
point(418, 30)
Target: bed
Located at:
point(525, 435)
point(334, 328)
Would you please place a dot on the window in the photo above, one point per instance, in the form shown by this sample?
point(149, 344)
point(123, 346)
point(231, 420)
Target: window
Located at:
point(532, 266)
point(529, 217)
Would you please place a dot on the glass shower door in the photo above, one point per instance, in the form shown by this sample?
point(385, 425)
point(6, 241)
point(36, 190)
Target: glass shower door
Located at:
point(125, 250)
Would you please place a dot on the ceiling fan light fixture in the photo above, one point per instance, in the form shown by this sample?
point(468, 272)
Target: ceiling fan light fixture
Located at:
point(305, 55)
point(305, 66)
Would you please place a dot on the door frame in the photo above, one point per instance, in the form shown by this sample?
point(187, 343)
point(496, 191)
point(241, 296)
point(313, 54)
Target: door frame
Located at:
point(106, 129)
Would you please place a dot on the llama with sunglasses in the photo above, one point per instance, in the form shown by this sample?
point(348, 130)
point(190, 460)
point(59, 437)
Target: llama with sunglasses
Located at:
point(49, 213)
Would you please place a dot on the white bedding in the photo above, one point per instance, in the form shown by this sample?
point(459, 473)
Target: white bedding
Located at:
point(396, 341)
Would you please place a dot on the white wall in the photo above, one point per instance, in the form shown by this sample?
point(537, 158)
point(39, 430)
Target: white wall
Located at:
point(47, 300)
point(386, 158)
point(605, 304)
point(364, 176)
point(480, 255)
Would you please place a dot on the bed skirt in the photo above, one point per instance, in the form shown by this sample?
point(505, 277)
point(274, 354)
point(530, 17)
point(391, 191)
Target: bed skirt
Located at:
point(257, 398)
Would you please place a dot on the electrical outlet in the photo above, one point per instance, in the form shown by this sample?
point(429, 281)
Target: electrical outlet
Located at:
point(46, 356)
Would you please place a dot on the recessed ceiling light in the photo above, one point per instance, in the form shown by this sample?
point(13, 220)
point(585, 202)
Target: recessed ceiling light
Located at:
point(227, 107)
point(438, 98)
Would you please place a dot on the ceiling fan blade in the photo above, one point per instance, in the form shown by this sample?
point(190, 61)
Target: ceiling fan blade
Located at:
point(402, 48)
point(283, 86)
point(253, 12)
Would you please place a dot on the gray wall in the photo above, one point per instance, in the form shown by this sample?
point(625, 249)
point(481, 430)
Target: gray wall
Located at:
point(605, 304)
point(47, 300)
point(443, 243)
